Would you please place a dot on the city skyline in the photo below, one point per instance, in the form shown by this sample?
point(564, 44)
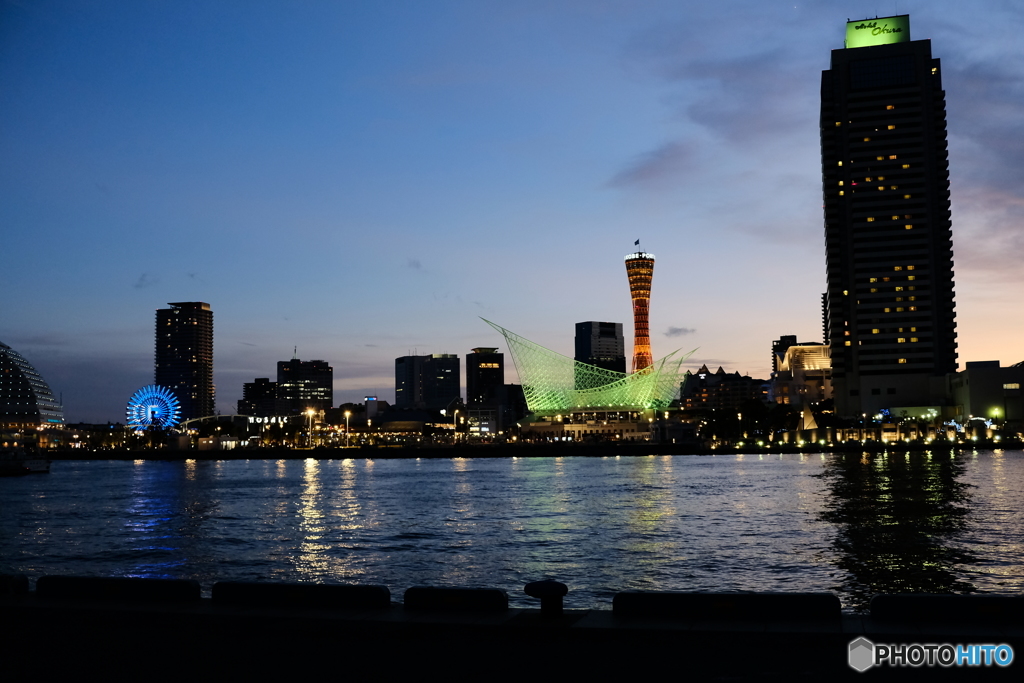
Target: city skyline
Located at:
point(365, 182)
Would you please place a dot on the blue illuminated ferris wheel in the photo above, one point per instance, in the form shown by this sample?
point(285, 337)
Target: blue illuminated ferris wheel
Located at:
point(153, 406)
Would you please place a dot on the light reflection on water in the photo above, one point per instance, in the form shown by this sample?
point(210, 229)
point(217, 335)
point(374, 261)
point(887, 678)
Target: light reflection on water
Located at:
point(855, 524)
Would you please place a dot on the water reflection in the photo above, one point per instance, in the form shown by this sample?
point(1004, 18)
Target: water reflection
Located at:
point(163, 520)
point(899, 518)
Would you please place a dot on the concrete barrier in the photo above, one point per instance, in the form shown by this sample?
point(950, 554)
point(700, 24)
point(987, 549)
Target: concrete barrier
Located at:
point(960, 608)
point(435, 599)
point(13, 584)
point(301, 595)
point(726, 606)
point(118, 589)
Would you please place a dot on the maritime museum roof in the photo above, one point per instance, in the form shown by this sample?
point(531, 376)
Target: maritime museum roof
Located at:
point(553, 383)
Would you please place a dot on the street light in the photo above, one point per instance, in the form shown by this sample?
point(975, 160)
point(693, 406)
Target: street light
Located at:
point(309, 432)
point(348, 413)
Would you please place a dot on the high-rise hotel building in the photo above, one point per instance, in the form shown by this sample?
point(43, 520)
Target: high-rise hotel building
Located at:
point(184, 356)
point(891, 323)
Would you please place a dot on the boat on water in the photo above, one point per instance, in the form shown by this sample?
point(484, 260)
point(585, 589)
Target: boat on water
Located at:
point(15, 462)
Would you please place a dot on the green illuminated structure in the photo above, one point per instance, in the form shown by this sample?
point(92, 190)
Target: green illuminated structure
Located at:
point(878, 31)
point(556, 384)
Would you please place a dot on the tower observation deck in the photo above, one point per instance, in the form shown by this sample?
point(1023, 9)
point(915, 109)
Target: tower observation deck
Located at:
point(640, 269)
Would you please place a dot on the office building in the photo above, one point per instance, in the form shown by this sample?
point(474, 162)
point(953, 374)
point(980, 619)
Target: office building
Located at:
point(485, 376)
point(427, 382)
point(720, 390)
point(601, 345)
point(305, 385)
point(986, 391)
point(184, 356)
point(640, 270)
point(803, 375)
point(25, 397)
point(891, 323)
point(259, 398)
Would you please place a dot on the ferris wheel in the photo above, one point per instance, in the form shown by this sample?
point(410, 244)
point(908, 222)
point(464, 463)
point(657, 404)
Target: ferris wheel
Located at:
point(153, 406)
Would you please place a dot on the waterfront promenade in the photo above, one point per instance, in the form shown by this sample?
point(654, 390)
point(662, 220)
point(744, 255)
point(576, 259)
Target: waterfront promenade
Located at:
point(527, 450)
point(127, 628)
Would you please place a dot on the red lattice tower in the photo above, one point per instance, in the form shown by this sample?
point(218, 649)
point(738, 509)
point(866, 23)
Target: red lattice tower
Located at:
point(640, 269)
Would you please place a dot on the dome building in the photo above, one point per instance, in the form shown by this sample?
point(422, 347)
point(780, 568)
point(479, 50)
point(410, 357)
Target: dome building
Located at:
point(25, 397)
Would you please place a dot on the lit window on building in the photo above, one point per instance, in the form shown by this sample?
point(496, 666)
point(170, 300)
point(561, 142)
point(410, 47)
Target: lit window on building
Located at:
point(892, 126)
point(902, 360)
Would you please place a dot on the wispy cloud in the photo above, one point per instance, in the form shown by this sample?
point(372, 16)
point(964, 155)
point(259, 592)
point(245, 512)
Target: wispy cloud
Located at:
point(667, 161)
point(145, 281)
point(414, 263)
point(679, 331)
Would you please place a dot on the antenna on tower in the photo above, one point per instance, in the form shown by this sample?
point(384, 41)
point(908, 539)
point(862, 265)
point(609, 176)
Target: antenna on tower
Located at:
point(295, 353)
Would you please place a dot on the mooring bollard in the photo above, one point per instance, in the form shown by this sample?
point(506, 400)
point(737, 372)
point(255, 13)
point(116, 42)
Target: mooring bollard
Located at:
point(550, 593)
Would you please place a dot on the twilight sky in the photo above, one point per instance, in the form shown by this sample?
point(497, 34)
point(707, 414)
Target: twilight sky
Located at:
point(364, 180)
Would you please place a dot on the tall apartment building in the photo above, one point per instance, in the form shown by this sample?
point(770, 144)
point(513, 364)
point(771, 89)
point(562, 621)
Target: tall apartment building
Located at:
point(485, 375)
point(305, 385)
point(430, 382)
point(184, 356)
point(601, 344)
point(891, 323)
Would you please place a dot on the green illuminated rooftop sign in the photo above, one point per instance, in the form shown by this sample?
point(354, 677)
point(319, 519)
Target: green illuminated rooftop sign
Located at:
point(878, 31)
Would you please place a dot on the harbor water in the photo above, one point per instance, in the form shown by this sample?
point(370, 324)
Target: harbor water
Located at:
point(854, 524)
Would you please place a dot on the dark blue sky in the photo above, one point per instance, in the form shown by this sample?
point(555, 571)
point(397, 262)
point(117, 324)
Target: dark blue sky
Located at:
point(364, 179)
